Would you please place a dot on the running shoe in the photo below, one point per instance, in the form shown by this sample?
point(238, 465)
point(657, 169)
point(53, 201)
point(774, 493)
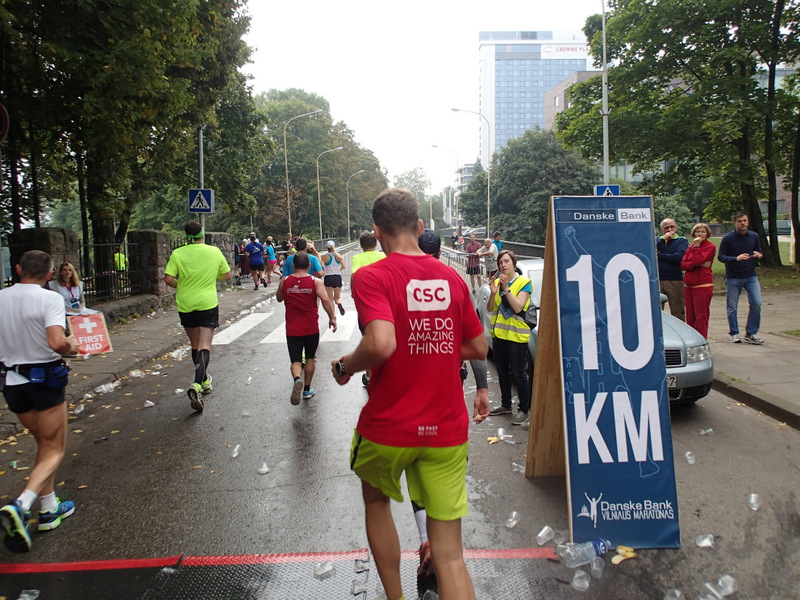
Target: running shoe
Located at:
point(500, 410)
point(309, 393)
point(49, 520)
point(195, 393)
point(365, 380)
point(753, 339)
point(735, 339)
point(206, 385)
point(15, 523)
point(263, 282)
point(297, 390)
point(341, 309)
point(426, 576)
point(255, 288)
point(519, 418)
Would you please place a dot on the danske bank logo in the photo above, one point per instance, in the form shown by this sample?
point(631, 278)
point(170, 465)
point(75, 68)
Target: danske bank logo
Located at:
point(428, 295)
point(630, 510)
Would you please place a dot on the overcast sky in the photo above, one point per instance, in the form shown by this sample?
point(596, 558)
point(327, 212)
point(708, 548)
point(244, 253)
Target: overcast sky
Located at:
point(393, 70)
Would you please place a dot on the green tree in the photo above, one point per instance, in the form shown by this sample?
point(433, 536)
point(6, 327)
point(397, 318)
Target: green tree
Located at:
point(526, 173)
point(684, 91)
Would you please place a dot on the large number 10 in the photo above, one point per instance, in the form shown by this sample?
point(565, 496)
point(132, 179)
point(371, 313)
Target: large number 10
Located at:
point(581, 273)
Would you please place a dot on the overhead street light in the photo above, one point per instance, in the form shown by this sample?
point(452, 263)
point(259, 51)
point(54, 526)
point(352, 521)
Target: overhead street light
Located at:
point(456, 190)
point(347, 188)
point(319, 195)
point(488, 167)
point(286, 164)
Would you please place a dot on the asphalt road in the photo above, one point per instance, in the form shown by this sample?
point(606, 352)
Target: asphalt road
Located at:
point(154, 481)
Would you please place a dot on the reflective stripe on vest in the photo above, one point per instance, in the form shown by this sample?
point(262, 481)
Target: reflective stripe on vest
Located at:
point(514, 328)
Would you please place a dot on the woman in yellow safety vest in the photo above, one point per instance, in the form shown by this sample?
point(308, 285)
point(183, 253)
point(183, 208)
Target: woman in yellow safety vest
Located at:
point(509, 298)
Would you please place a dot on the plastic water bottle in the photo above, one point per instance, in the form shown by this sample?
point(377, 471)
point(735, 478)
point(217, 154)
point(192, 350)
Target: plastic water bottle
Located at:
point(582, 554)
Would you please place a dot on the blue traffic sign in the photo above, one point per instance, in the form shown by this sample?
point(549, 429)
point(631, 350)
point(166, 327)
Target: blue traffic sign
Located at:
point(606, 190)
point(201, 201)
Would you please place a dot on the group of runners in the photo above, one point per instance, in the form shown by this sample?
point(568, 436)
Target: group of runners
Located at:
point(417, 318)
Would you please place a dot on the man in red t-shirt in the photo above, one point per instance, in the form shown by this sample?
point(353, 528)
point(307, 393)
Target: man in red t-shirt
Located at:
point(300, 292)
point(419, 325)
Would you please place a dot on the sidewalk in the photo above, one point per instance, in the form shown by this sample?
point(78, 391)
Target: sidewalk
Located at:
point(765, 377)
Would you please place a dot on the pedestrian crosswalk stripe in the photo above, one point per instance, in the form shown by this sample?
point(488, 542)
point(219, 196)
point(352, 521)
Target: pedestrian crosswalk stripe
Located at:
point(239, 328)
point(345, 325)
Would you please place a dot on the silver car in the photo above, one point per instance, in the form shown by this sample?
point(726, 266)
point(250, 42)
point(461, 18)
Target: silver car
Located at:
point(690, 367)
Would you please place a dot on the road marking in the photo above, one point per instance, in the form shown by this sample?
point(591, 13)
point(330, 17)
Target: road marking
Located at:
point(239, 328)
point(345, 324)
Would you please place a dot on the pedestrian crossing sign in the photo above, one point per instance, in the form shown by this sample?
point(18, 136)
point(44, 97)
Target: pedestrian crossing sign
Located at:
point(606, 190)
point(201, 201)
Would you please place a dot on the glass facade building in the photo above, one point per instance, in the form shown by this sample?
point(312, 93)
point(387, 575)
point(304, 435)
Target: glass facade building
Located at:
point(517, 68)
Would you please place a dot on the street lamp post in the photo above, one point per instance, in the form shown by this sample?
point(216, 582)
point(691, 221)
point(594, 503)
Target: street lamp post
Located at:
point(319, 195)
point(488, 167)
point(347, 189)
point(286, 164)
point(606, 166)
point(456, 190)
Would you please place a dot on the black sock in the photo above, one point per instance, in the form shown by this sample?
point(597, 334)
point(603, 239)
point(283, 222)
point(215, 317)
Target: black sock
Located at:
point(201, 365)
point(306, 388)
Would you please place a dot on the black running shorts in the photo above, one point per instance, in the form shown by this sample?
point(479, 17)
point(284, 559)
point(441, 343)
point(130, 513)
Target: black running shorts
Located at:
point(200, 318)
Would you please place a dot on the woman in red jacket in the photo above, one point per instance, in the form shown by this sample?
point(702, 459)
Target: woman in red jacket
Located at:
point(698, 279)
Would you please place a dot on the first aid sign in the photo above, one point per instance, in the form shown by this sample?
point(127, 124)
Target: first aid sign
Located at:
point(91, 332)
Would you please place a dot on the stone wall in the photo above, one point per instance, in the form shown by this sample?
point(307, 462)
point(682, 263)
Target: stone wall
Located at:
point(150, 250)
point(61, 244)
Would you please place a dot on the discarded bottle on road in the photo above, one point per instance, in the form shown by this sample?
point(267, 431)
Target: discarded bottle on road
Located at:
point(580, 581)
point(674, 594)
point(597, 566)
point(545, 535)
point(690, 457)
point(28, 594)
point(561, 549)
point(582, 554)
point(513, 519)
point(78, 409)
point(501, 433)
point(517, 467)
point(754, 501)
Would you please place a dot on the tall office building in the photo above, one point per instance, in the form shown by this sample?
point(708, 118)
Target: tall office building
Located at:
point(516, 69)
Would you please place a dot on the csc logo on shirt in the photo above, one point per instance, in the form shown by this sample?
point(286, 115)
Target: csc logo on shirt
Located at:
point(428, 295)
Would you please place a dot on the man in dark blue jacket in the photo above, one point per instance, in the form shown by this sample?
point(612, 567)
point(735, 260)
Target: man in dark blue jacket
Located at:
point(670, 248)
point(739, 250)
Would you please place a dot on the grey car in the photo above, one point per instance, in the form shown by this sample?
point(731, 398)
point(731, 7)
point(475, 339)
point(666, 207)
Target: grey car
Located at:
point(690, 367)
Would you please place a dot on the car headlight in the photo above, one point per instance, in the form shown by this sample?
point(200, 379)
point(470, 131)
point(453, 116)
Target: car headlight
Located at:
point(698, 353)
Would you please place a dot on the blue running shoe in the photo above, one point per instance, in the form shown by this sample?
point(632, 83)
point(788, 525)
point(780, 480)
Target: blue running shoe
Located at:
point(308, 394)
point(49, 520)
point(15, 523)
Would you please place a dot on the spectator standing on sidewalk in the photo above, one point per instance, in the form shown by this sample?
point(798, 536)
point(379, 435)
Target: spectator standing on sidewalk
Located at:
point(32, 338)
point(194, 270)
point(300, 291)
point(69, 285)
point(698, 279)
point(473, 262)
point(419, 320)
point(670, 248)
point(509, 298)
point(489, 253)
point(739, 250)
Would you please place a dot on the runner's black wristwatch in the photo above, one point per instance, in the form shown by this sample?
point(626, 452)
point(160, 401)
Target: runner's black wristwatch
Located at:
point(340, 370)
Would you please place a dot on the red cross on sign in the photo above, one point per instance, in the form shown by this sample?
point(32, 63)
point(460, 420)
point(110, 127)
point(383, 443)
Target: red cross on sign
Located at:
point(91, 332)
